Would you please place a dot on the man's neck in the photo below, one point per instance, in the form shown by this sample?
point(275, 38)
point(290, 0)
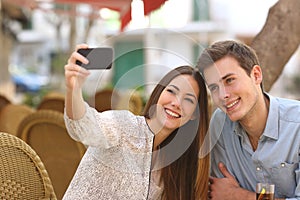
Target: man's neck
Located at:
point(255, 122)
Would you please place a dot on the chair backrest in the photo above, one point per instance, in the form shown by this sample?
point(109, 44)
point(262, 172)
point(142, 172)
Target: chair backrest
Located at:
point(3, 101)
point(131, 101)
point(22, 173)
point(53, 101)
point(105, 99)
point(46, 133)
point(12, 115)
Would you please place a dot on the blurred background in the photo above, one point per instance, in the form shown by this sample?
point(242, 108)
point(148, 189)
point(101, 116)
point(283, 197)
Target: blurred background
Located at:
point(148, 37)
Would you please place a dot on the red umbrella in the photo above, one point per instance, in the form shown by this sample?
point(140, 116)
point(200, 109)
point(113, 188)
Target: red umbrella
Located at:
point(121, 6)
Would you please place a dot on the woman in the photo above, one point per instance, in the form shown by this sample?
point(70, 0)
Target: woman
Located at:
point(130, 157)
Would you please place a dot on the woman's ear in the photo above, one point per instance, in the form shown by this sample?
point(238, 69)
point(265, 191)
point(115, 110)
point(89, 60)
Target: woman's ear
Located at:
point(194, 116)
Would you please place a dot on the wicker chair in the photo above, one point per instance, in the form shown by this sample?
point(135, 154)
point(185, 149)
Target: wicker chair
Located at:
point(22, 173)
point(131, 101)
point(46, 133)
point(53, 101)
point(3, 101)
point(12, 115)
point(104, 100)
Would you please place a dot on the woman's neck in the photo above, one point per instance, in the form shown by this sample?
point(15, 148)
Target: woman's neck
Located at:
point(160, 133)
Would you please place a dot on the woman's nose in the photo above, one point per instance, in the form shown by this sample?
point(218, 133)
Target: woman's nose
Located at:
point(176, 102)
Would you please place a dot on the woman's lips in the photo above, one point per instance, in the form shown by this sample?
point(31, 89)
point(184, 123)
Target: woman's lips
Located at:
point(172, 113)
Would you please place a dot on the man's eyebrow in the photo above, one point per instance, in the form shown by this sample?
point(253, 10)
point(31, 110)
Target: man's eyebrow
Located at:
point(226, 76)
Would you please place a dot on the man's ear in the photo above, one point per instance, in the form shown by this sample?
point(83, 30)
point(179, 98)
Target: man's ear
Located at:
point(257, 73)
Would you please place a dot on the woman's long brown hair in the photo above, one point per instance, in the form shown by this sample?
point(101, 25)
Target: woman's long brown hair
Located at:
point(185, 178)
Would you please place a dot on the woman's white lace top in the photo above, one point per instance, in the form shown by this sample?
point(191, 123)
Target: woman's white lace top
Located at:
point(117, 163)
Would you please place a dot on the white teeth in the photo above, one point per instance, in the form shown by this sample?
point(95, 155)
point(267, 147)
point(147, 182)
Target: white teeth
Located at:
point(232, 104)
point(171, 113)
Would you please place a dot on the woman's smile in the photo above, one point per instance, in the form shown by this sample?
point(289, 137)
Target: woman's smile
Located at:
point(172, 114)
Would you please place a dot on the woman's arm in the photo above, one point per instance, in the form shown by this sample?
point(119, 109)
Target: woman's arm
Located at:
point(75, 76)
point(84, 123)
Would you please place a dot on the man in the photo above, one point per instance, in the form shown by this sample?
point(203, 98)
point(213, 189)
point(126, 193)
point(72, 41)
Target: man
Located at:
point(255, 136)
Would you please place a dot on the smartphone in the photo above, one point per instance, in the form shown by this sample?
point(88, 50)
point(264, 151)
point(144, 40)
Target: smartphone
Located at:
point(99, 58)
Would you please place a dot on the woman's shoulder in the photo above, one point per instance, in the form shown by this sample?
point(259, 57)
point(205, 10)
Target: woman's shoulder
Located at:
point(123, 118)
point(120, 115)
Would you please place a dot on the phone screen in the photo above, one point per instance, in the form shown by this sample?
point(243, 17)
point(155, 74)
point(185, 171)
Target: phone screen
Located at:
point(99, 58)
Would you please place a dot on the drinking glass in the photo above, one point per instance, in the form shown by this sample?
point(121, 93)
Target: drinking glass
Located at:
point(265, 191)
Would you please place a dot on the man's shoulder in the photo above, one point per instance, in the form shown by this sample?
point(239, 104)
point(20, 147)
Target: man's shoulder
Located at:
point(220, 120)
point(289, 109)
point(288, 101)
point(218, 115)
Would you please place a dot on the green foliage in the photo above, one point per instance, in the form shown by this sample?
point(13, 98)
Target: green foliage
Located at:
point(141, 91)
point(59, 59)
point(33, 99)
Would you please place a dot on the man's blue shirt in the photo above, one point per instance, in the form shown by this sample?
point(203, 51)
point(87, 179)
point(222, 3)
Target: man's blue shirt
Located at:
point(277, 156)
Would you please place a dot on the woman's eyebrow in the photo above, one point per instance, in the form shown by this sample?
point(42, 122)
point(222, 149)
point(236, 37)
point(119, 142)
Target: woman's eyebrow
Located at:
point(177, 88)
point(174, 86)
point(192, 95)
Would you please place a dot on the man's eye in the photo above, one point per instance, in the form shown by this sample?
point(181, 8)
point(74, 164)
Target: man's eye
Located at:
point(213, 88)
point(229, 80)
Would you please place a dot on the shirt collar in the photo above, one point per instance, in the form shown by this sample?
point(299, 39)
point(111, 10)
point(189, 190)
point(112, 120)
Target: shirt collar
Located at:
point(271, 128)
point(272, 125)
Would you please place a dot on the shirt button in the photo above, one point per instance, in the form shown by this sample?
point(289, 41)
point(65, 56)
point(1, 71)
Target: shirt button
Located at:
point(257, 168)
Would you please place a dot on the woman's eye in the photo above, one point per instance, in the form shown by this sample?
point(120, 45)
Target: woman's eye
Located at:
point(170, 91)
point(189, 100)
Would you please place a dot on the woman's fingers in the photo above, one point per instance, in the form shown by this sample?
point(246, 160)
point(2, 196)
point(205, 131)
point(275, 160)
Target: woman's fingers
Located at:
point(76, 71)
point(77, 56)
point(75, 75)
point(81, 46)
point(76, 68)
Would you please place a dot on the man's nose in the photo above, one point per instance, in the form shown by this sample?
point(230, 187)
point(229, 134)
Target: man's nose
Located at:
point(223, 93)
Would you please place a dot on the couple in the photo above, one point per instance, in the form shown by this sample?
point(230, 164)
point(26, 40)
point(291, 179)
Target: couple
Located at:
point(164, 153)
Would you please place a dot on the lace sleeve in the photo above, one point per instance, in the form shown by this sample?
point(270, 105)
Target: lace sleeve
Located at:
point(100, 128)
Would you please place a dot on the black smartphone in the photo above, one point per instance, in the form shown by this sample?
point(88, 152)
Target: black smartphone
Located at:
point(99, 58)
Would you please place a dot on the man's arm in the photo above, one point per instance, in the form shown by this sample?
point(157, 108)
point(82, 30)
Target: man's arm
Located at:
point(228, 188)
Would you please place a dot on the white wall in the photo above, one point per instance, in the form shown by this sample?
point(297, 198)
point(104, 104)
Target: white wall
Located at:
point(243, 16)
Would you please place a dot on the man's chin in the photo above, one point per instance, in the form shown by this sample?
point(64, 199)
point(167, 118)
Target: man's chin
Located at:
point(233, 117)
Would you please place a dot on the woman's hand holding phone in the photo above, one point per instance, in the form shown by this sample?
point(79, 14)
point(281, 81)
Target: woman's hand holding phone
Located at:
point(75, 77)
point(74, 74)
point(99, 58)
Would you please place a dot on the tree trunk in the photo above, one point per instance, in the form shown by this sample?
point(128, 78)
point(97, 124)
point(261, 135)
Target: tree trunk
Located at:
point(88, 27)
point(73, 30)
point(278, 39)
point(7, 88)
